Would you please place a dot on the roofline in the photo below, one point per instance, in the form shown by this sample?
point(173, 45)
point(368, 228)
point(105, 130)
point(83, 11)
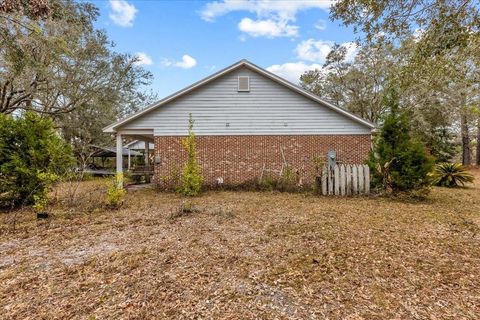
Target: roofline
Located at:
point(133, 142)
point(310, 95)
point(113, 149)
point(130, 143)
point(113, 127)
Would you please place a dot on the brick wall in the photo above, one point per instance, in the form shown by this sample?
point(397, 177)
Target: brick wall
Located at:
point(238, 159)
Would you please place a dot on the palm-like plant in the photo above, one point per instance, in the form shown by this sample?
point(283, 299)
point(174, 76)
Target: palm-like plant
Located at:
point(451, 175)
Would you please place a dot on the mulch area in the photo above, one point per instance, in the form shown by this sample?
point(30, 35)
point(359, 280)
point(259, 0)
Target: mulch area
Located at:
point(244, 255)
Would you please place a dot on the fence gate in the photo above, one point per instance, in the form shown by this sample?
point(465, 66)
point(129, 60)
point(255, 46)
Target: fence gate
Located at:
point(345, 180)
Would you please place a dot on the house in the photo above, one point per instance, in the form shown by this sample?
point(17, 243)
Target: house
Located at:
point(248, 122)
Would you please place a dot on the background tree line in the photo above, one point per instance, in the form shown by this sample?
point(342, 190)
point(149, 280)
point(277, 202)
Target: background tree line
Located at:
point(54, 62)
point(61, 82)
point(428, 51)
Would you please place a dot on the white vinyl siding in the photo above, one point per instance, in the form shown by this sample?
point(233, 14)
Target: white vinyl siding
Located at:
point(269, 108)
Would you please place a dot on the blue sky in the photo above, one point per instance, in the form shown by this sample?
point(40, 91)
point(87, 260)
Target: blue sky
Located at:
point(181, 42)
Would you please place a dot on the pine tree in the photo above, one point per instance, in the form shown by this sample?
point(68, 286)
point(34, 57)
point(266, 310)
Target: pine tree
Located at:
point(32, 157)
point(398, 161)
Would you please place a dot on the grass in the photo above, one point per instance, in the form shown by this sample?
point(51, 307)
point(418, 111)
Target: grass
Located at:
point(244, 255)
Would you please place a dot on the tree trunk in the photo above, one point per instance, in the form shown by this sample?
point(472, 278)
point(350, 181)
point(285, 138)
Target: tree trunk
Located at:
point(466, 159)
point(477, 158)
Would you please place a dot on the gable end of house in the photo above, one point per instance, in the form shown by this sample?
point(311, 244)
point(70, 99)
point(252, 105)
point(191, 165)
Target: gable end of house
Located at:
point(244, 99)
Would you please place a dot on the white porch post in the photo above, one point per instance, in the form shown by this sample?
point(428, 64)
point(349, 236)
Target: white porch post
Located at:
point(147, 161)
point(129, 161)
point(119, 154)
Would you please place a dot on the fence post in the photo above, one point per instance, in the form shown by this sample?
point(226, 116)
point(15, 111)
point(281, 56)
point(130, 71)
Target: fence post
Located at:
point(336, 179)
point(342, 180)
point(354, 179)
point(349, 180)
point(360, 180)
point(367, 179)
point(330, 181)
point(324, 180)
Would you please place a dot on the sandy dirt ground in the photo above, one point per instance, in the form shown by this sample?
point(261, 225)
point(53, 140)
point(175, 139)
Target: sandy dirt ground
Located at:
point(243, 255)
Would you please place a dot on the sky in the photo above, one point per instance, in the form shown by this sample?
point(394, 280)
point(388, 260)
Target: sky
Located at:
point(181, 42)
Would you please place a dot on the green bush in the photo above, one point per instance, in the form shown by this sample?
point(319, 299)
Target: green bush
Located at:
point(191, 179)
point(40, 203)
point(398, 162)
point(115, 192)
point(286, 182)
point(267, 183)
point(32, 157)
point(451, 175)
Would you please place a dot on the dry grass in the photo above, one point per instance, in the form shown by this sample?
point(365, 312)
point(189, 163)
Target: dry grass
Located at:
point(245, 255)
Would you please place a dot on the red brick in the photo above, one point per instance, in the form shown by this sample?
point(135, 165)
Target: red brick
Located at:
point(238, 159)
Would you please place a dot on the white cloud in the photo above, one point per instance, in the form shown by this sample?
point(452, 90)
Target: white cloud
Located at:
point(292, 70)
point(186, 63)
point(321, 25)
point(262, 8)
point(267, 28)
point(219, 8)
point(274, 18)
point(123, 13)
point(313, 50)
point(318, 50)
point(352, 50)
point(143, 59)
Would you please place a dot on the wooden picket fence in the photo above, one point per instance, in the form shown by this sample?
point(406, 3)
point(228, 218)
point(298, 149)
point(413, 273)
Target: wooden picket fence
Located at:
point(345, 180)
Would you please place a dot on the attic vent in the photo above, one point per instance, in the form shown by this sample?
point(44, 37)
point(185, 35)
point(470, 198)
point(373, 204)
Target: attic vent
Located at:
point(243, 83)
